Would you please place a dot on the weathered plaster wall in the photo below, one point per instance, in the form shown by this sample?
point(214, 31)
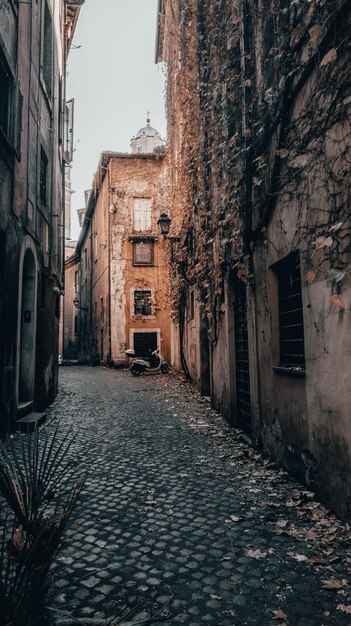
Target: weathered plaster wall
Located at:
point(259, 136)
point(137, 177)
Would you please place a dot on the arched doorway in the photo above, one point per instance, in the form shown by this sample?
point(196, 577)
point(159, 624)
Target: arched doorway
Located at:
point(27, 330)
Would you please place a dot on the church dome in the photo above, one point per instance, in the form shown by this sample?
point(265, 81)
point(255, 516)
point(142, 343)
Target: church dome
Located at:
point(147, 139)
point(148, 131)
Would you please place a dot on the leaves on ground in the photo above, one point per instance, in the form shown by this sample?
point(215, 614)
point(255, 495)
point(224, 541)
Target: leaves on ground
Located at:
point(256, 554)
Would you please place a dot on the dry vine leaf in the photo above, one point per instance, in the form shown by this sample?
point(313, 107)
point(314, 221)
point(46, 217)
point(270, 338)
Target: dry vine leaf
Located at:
point(310, 276)
point(329, 57)
point(315, 33)
point(322, 242)
point(300, 160)
point(256, 554)
point(282, 153)
point(338, 225)
point(336, 275)
point(336, 302)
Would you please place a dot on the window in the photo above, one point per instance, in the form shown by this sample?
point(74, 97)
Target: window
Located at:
point(142, 214)
point(291, 334)
point(47, 50)
point(76, 281)
point(43, 175)
point(76, 325)
point(142, 302)
point(143, 252)
point(4, 99)
point(102, 309)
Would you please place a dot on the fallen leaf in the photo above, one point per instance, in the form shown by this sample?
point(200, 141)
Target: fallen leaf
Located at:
point(282, 523)
point(233, 518)
point(310, 276)
point(345, 608)
point(298, 557)
point(329, 57)
point(279, 614)
point(333, 583)
point(256, 554)
point(214, 597)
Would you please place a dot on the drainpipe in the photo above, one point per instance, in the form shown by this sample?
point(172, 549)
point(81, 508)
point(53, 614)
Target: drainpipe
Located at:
point(109, 251)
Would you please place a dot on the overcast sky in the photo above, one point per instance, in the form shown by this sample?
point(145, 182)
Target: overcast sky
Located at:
point(114, 81)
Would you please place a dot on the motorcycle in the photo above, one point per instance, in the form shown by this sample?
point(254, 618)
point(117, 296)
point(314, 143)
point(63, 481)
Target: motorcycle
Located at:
point(140, 366)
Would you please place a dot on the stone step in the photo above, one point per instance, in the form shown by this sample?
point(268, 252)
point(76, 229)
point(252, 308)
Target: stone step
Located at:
point(30, 421)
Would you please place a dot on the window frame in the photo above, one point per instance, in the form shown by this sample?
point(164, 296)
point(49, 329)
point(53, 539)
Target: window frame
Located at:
point(134, 313)
point(289, 325)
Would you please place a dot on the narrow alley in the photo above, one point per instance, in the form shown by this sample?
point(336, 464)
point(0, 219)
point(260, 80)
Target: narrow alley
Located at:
point(181, 522)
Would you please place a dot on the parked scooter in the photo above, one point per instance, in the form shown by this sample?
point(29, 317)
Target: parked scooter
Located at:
point(140, 366)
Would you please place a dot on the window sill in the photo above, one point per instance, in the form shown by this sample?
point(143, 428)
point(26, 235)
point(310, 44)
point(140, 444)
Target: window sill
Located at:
point(289, 371)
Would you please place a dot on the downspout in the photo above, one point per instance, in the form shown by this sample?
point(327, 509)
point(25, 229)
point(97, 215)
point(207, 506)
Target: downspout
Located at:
point(109, 251)
point(247, 51)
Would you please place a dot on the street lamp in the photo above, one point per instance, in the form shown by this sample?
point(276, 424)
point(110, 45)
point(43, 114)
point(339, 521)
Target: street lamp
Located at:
point(76, 304)
point(164, 223)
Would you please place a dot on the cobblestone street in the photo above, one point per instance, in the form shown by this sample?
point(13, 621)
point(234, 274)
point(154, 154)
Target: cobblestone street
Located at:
point(180, 521)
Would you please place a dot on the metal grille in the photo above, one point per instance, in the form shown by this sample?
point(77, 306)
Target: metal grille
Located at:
point(243, 399)
point(291, 336)
point(142, 302)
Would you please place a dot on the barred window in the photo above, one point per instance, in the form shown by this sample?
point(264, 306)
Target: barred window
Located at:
point(142, 302)
point(291, 332)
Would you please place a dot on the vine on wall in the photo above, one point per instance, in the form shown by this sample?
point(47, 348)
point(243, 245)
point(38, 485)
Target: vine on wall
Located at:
point(258, 102)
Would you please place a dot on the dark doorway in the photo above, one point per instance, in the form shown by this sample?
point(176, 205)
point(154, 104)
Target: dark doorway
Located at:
point(205, 359)
point(28, 329)
point(144, 343)
point(242, 372)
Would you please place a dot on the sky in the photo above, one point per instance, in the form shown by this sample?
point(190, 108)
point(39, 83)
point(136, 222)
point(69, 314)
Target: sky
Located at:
point(114, 81)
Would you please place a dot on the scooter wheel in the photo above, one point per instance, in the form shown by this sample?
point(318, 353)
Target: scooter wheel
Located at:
point(164, 368)
point(136, 371)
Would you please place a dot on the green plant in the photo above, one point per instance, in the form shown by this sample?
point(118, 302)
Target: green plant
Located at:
point(36, 476)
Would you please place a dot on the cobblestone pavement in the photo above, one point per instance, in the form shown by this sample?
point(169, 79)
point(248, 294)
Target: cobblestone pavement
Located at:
point(182, 522)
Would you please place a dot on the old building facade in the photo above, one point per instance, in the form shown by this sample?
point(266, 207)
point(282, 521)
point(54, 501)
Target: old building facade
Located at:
point(122, 300)
point(35, 38)
point(259, 104)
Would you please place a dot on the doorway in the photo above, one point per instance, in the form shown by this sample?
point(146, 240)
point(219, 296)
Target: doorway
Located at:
point(205, 359)
point(27, 330)
point(144, 343)
point(242, 370)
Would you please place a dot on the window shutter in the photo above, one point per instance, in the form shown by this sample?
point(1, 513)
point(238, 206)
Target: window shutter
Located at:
point(69, 114)
point(141, 214)
point(17, 120)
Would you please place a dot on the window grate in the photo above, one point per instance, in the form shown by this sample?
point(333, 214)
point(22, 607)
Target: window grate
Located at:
point(142, 302)
point(291, 332)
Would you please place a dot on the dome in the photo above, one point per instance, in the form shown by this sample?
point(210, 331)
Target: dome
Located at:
point(147, 139)
point(148, 131)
